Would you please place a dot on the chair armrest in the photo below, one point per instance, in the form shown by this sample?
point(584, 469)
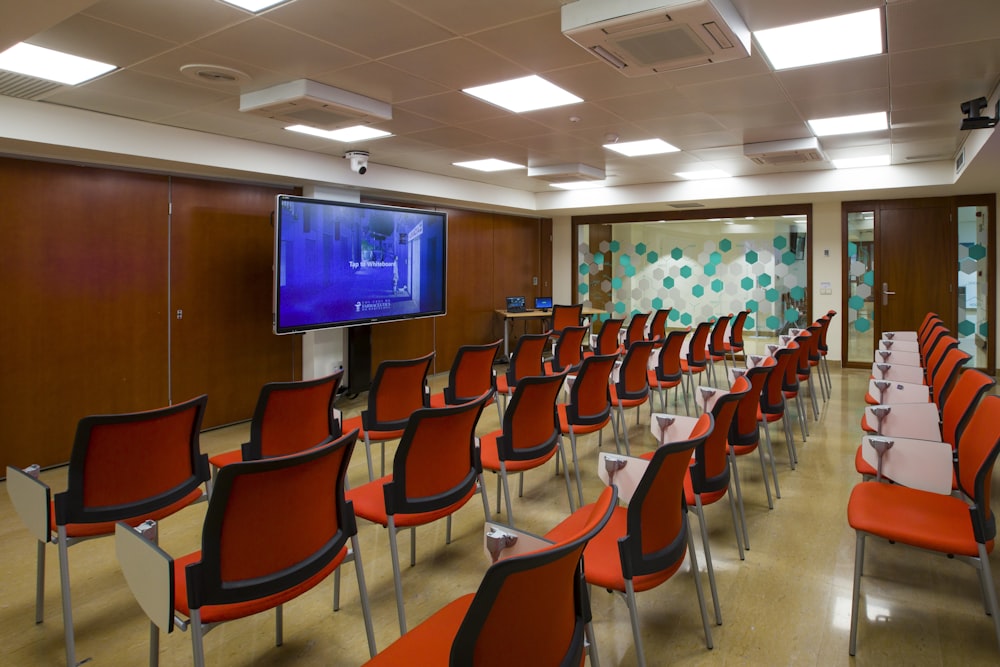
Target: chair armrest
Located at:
point(888, 393)
point(898, 373)
point(899, 335)
point(919, 464)
point(31, 499)
point(899, 345)
point(149, 572)
point(918, 421)
point(901, 358)
point(625, 472)
point(501, 541)
point(670, 428)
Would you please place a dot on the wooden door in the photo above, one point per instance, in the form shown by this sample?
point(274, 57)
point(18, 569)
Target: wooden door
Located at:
point(916, 270)
point(222, 341)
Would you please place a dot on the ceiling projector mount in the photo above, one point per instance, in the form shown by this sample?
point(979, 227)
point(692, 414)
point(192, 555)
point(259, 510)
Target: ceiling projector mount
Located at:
point(974, 120)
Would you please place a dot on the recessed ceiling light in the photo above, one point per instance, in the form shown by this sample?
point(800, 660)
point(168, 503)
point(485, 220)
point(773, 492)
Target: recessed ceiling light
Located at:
point(524, 94)
point(347, 134)
point(644, 147)
point(579, 185)
point(491, 164)
point(869, 161)
point(865, 122)
point(826, 40)
point(703, 173)
point(254, 5)
point(51, 65)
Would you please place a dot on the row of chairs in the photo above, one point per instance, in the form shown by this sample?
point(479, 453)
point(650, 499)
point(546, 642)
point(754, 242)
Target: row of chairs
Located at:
point(932, 438)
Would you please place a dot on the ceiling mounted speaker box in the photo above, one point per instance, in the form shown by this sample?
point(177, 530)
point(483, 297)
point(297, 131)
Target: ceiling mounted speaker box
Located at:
point(305, 102)
point(789, 151)
point(641, 37)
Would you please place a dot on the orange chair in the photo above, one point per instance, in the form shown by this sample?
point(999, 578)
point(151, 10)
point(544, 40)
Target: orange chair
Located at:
point(289, 417)
point(790, 385)
point(606, 341)
point(773, 406)
point(644, 545)
point(636, 330)
point(815, 356)
point(696, 360)
point(668, 373)
point(658, 324)
point(566, 316)
point(130, 467)
point(399, 388)
point(530, 609)
point(275, 528)
point(435, 472)
point(807, 341)
point(744, 434)
point(735, 344)
point(631, 388)
point(525, 361)
point(717, 349)
point(824, 348)
point(529, 435)
point(471, 375)
point(568, 352)
point(963, 527)
point(710, 477)
point(588, 409)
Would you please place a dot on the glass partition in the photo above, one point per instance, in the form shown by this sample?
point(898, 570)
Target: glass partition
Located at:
point(973, 284)
point(700, 269)
point(860, 286)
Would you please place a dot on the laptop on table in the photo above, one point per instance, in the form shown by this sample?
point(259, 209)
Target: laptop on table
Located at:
point(515, 304)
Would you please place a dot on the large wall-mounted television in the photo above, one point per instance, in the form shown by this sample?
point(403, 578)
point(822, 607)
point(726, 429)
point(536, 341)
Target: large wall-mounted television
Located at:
point(339, 264)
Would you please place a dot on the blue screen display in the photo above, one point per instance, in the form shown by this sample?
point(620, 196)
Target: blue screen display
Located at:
point(339, 263)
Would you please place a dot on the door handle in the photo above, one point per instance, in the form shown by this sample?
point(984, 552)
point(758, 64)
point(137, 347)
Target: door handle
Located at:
point(886, 294)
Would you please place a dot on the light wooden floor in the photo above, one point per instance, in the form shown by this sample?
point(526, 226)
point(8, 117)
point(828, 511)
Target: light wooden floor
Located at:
point(788, 603)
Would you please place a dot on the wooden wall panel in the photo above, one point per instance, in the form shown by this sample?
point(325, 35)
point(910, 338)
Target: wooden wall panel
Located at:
point(221, 272)
point(83, 266)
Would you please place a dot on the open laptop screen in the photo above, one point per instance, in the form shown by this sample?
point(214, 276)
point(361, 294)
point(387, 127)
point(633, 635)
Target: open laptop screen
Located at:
point(543, 303)
point(515, 304)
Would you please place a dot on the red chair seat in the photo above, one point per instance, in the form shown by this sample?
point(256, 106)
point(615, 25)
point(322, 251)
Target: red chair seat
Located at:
point(108, 527)
point(431, 640)
point(369, 504)
point(491, 458)
point(917, 518)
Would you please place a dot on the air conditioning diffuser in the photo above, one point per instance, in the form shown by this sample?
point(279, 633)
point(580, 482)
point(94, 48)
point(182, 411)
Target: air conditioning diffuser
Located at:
point(640, 37)
point(567, 173)
point(790, 151)
point(305, 102)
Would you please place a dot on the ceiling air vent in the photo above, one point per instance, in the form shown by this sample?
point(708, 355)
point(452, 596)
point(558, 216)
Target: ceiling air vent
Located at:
point(26, 87)
point(781, 153)
point(566, 173)
point(640, 37)
point(305, 102)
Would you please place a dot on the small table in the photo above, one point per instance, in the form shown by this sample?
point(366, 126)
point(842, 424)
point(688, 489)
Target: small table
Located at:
point(532, 314)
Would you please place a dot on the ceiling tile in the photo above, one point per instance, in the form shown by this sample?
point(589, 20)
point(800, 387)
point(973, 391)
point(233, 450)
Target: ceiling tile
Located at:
point(176, 20)
point(457, 64)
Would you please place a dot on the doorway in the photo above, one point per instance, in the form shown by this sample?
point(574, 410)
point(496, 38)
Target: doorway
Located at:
point(905, 258)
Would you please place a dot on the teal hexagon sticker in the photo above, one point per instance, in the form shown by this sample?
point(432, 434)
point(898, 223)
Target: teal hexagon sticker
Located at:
point(710, 269)
point(868, 278)
point(751, 257)
point(584, 269)
point(718, 286)
point(772, 295)
point(651, 257)
point(791, 315)
point(862, 325)
point(674, 315)
point(747, 283)
point(852, 249)
point(763, 280)
point(676, 253)
point(855, 303)
point(629, 270)
point(668, 282)
point(625, 260)
point(715, 258)
point(966, 328)
point(698, 291)
point(977, 251)
point(780, 242)
point(725, 245)
point(640, 248)
point(686, 319)
point(656, 303)
point(788, 258)
point(616, 283)
point(686, 271)
point(599, 259)
point(620, 307)
point(773, 322)
point(749, 323)
point(753, 306)
point(798, 293)
point(614, 246)
point(582, 288)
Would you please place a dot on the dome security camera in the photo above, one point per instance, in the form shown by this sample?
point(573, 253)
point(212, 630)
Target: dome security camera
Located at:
point(359, 161)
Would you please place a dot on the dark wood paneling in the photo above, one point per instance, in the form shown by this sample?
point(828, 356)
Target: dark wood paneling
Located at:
point(83, 266)
point(223, 251)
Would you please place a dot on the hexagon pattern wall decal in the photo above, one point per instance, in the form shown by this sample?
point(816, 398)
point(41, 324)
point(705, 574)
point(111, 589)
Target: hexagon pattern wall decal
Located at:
point(977, 251)
point(697, 280)
point(966, 327)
